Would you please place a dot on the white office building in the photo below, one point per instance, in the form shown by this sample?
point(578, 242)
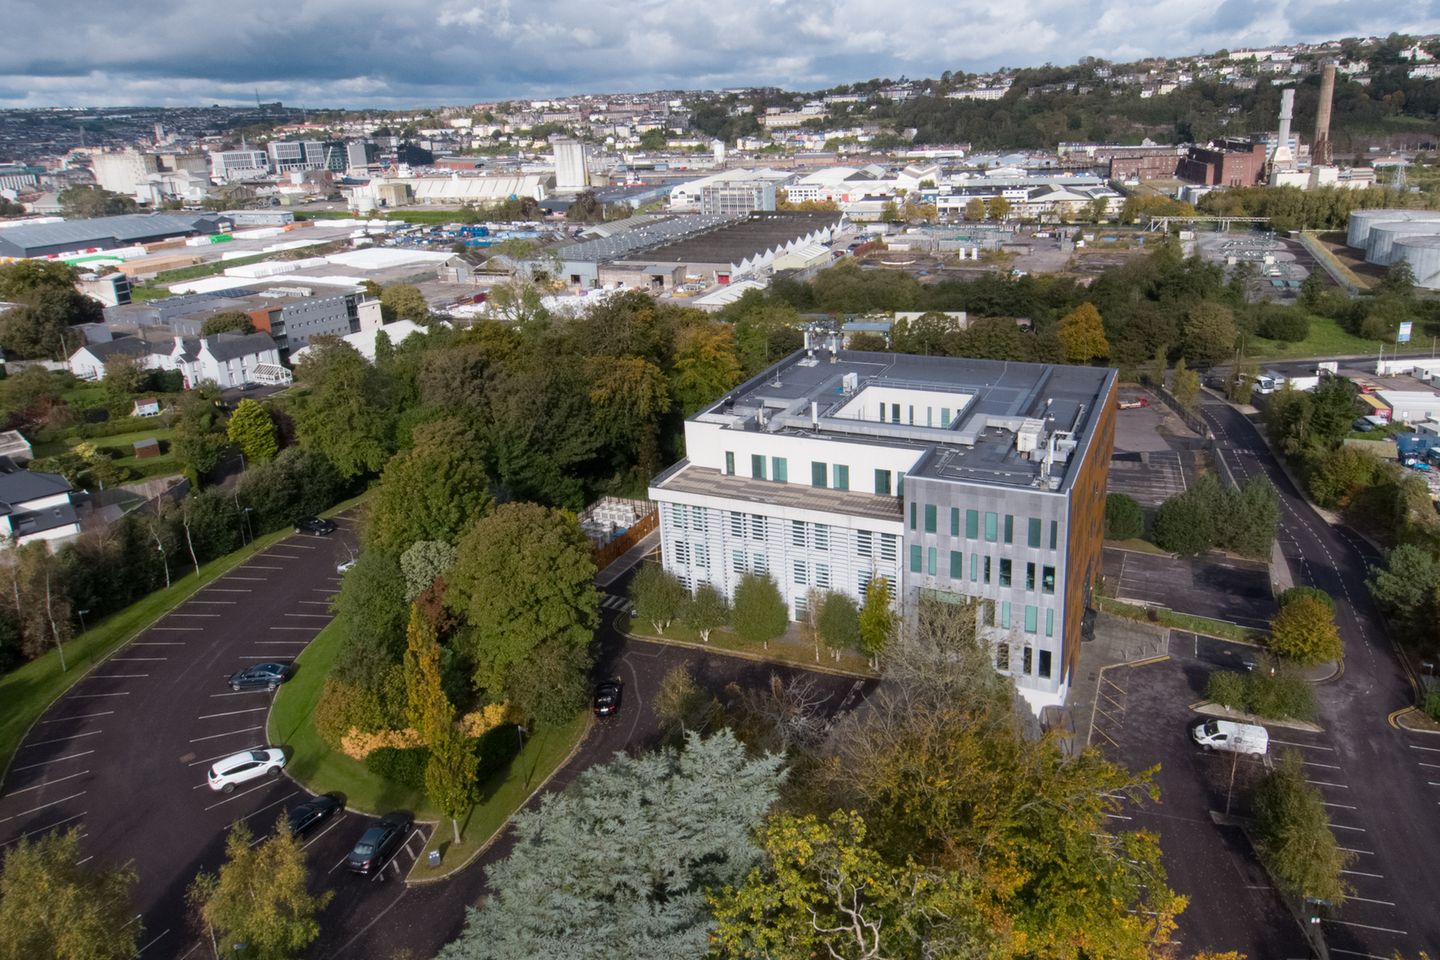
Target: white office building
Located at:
point(228, 165)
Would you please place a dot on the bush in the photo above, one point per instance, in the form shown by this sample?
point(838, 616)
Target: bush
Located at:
point(1276, 322)
point(405, 767)
point(1304, 631)
point(1184, 525)
point(1280, 695)
point(1227, 688)
point(1295, 593)
point(1293, 838)
point(1124, 520)
point(1431, 704)
point(760, 613)
point(343, 706)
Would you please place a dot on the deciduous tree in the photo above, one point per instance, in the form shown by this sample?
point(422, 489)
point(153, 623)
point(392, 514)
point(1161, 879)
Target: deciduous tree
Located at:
point(1208, 334)
point(658, 597)
point(1293, 836)
point(758, 614)
point(252, 430)
point(877, 619)
point(839, 622)
point(1082, 335)
point(227, 321)
point(1304, 631)
point(57, 904)
point(436, 490)
point(705, 365)
point(349, 413)
point(1124, 520)
point(404, 301)
point(705, 610)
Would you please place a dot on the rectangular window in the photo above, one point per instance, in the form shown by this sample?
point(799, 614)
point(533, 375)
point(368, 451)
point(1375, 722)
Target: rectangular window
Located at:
point(822, 576)
point(929, 518)
point(1032, 618)
point(900, 483)
point(840, 476)
point(863, 543)
point(822, 537)
point(1029, 576)
point(800, 575)
point(954, 521)
point(681, 552)
point(757, 527)
point(737, 524)
point(1027, 660)
point(944, 416)
point(1009, 528)
point(1049, 623)
point(974, 567)
point(894, 413)
point(729, 463)
point(1045, 664)
point(957, 565)
point(882, 483)
point(992, 526)
point(702, 555)
point(677, 516)
point(797, 533)
point(986, 577)
point(779, 470)
point(888, 547)
point(915, 558)
point(930, 561)
point(757, 466)
point(800, 606)
point(988, 606)
point(1047, 579)
point(818, 473)
point(1005, 614)
point(737, 561)
point(759, 564)
point(1054, 533)
point(972, 524)
point(1034, 532)
point(1002, 657)
point(1004, 572)
point(913, 509)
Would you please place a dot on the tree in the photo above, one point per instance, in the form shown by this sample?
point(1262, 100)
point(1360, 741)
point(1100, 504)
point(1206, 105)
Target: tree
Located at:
point(404, 301)
point(998, 208)
point(371, 612)
point(705, 610)
point(1185, 524)
point(877, 619)
point(427, 709)
point(705, 365)
point(349, 413)
point(1304, 631)
point(125, 376)
point(619, 864)
point(586, 208)
point(658, 597)
point(552, 683)
point(422, 562)
point(1340, 474)
point(198, 440)
point(1293, 836)
point(450, 776)
point(524, 575)
point(1406, 586)
point(251, 429)
point(47, 307)
point(975, 209)
point(682, 706)
point(1082, 335)
point(54, 905)
point(259, 897)
point(758, 614)
point(436, 490)
point(227, 321)
point(88, 201)
point(1398, 280)
point(1208, 334)
point(1185, 385)
point(839, 622)
point(1124, 520)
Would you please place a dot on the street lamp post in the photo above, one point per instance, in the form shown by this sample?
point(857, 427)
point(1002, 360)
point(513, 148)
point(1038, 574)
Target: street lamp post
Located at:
point(82, 618)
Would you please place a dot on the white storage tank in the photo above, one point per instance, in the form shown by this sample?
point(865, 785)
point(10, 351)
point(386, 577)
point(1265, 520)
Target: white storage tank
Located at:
point(1362, 221)
point(1423, 255)
point(1379, 248)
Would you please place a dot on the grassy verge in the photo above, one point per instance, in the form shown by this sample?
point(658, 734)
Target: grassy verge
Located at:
point(789, 649)
point(29, 690)
point(1326, 338)
point(500, 797)
point(1183, 621)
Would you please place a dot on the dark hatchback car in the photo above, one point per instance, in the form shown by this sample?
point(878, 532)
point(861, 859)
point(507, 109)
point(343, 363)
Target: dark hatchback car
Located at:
point(378, 843)
point(315, 526)
point(607, 698)
point(312, 813)
point(266, 676)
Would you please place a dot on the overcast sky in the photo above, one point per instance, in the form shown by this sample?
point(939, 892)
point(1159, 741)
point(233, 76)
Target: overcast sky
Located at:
point(399, 53)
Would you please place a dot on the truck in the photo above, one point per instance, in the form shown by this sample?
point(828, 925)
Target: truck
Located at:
point(1247, 738)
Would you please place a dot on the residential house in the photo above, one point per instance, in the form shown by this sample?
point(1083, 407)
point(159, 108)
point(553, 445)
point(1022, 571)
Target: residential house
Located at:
point(34, 505)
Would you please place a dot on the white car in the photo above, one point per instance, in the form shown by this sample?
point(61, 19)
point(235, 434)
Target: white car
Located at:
point(341, 568)
point(240, 768)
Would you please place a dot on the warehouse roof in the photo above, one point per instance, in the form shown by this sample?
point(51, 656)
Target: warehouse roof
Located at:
point(737, 241)
point(101, 231)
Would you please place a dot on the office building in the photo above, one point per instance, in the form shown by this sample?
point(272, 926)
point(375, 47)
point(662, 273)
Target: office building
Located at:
point(951, 478)
point(291, 155)
point(228, 165)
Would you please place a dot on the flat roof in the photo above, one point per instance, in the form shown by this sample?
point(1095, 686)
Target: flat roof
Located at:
point(808, 393)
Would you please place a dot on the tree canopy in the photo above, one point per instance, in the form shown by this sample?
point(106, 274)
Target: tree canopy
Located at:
point(54, 904)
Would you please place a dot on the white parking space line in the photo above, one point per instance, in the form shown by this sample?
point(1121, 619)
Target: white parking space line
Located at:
point(280, 556)
point(1341, 826)
point(230, 713)
point(216, 736)
point(45, 783)
point(1383, 903)
point(1362, 873)
point(68, 756)
point(227, 753)
point(289, 796)
point(82, 716)
point(257, 566)
point(51, 826)
point(1308, 746)
point(1431, 766)
point(228, 590)
point(333, 824)
point(1357, 953)
point(179, 629)
point(41, 743)
point(137, 659)
point(1366, 926)
point(298, 546)
point(118, 676)
point(43, 806)
point(263, 656)
point(265, 782)
point(253, 579)
point(1364, 853)
point(88, 696)
point(1313, 763)
point(317, 603)
point(207, 616)
point(1327, 783)
point(1416, 746)
point(217, 603)
point(158, 643)
point(152, 943)
point(1342, 806)
point(261, 643)
point(337, 864)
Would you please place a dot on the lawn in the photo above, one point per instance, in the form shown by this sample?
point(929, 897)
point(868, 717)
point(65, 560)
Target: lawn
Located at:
point(123, 443)
point(791, 648)
point(1183, 621)
point(324, 770)
point(1326, 339)
point(27, 691)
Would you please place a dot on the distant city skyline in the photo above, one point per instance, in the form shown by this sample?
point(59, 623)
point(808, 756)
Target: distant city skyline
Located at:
point(387, 55)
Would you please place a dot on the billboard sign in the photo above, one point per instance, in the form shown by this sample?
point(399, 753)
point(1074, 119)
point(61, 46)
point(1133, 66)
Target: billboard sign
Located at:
point(1404, 335)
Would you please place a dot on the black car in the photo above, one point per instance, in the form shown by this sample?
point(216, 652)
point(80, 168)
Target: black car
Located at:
point(376, 845)
point(314, 811)
point(607, 698)
point(314, 525)
point(266, 675)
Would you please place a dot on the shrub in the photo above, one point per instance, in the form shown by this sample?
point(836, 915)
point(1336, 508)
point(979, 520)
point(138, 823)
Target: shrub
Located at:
point(1184, 525)
point(343, 707)
point(402, 766)
point(1293, 838)
point(1304, 631)
point(1431, 704)
point(1124, 520)
point(1281, 695)
point(760, 613)
point(1227, 688)
point(1276, 322)
point(1295, 593)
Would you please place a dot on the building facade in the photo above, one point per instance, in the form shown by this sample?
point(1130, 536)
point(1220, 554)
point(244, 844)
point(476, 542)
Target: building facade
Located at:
point(227, 165)
point(951, 478)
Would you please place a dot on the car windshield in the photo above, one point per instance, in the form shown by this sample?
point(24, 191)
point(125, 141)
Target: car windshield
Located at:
point(363, 849)
point(1212, 728)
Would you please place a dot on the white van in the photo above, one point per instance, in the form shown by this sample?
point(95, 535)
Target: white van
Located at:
point(1247, 738)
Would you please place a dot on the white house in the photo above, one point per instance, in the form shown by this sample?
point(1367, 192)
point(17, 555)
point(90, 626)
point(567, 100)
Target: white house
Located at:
point(34, 505)
point(226, 359)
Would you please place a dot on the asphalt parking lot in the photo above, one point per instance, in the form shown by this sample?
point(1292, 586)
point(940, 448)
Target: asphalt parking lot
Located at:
point(123, 754)
point(1220, 588)
point(1150, 477)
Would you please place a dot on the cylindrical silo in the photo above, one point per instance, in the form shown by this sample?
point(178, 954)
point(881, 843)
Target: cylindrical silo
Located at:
point(1361, 221)
point(1379, 246)
point(1423, 255)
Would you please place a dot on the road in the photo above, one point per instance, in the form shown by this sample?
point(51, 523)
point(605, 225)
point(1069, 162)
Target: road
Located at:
point(1381, 785)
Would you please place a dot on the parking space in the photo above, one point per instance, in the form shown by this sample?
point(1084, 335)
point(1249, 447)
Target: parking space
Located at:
point(1229, 589)
point(1151, 478)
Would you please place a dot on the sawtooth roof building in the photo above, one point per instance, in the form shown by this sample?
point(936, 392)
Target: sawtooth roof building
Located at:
point(951, 478)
